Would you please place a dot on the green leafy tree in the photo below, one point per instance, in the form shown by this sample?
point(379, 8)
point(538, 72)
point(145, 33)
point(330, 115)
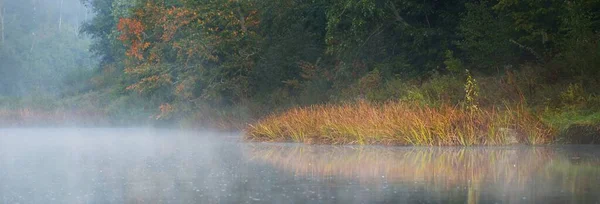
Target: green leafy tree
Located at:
point(41, 46)
point(394, 32)
point(486, 37)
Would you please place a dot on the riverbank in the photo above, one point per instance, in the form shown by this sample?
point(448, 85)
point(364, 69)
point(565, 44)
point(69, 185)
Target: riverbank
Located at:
point(27, 117)
point(514, 108)
point(459, 110)
point(398, 123)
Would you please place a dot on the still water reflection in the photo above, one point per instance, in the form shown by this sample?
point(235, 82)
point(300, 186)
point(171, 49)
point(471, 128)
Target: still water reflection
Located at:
point(162, 166)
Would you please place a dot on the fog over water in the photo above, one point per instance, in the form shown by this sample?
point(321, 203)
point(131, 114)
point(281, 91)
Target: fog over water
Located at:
point(66, 63)
point(168, 166)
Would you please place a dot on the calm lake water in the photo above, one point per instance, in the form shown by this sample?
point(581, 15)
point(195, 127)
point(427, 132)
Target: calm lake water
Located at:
point(167, 166)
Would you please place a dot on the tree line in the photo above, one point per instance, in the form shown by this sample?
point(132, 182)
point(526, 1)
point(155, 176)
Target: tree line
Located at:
point(183, 53)
point(41, 47)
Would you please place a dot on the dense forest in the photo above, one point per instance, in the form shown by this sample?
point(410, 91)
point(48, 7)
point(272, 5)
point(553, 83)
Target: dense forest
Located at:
point(227, 62)
point(41, 48)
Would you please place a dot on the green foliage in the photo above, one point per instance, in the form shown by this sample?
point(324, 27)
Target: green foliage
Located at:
point(561, 120)
point(538, 20)
point(573, 95)
point(41, 47)
point(185, 57)
point(102, 29)
point(437, 91)
point(453, 64)
point(486, 35)
point(391, 90)
point(372, 32)
point(471, 93)
point(580, 43)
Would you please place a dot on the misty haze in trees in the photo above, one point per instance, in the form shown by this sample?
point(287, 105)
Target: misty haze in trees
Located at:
point(40, 45)
point(183, 53)
point(171, 59)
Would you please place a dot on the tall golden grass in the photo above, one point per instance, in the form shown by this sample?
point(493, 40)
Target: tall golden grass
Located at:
point(399, 123)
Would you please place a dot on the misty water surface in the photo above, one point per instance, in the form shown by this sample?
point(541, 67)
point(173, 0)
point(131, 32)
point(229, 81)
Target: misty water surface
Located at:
point(167, 166)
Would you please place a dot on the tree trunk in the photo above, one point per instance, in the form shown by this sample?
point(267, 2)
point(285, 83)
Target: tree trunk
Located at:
point(34, 2)
point(2, 13)
point(60, 15)
point(85, 14)
point(399, 18)
point(242, 18)
point(32, 42)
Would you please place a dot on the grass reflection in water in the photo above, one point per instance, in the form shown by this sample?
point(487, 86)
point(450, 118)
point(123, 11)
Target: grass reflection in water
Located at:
point(497, 173)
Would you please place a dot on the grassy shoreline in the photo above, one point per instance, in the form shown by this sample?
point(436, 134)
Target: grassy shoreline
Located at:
point(399, 123)
point(452, 110)
point(444, 110)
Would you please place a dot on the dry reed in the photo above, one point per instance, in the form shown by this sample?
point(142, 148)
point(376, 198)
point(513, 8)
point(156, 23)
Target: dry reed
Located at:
point(398, 123)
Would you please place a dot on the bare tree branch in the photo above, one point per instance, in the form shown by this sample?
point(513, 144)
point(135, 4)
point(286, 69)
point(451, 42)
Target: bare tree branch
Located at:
point(529, 49)
point(60, 15)
point(2, 13)
point(399, 18)
point(242, 18)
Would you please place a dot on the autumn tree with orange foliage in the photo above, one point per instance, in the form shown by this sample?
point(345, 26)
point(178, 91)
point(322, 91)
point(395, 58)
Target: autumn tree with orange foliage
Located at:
point(257, 56)
point(189, 50)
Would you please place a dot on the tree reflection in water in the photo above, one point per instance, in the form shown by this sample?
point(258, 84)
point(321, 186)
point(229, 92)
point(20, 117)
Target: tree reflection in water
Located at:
point(168, 166)
point(472, 175)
